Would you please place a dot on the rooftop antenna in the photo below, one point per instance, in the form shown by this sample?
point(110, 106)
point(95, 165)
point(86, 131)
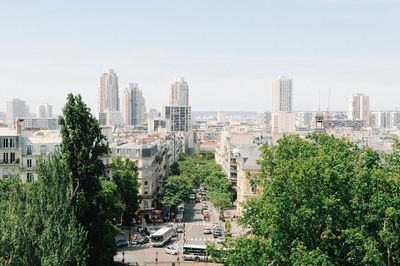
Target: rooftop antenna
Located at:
point(327, 109)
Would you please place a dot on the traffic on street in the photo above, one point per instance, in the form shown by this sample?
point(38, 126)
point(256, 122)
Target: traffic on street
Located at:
point(185, 239)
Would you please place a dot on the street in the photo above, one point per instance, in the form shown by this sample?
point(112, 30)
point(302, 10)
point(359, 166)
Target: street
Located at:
point(193, 224)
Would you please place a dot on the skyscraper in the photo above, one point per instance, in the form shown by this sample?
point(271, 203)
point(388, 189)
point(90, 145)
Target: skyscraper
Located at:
point(358, 108)
point(16, 108)
point(108, 91)
point(133, 105)
point(283, 118)
point(282, 95)
point(44, 111)
point(179, 93)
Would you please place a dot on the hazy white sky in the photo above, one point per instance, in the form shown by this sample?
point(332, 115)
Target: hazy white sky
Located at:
point(229, 51)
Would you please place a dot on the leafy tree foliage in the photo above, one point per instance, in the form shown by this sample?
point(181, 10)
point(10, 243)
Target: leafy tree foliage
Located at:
point(125, 176)
point(38, 222)
point(82, 145)
point(176, 189)
point(324, 201)
point(175, 170)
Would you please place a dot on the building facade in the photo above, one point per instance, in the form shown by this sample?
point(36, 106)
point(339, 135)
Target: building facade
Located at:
point(358, 108)
point(282, 95)
point(108, 91)
point(180, 117)
point(44, 111)
point(133, 105)
point(16, 108)
point(179, 93)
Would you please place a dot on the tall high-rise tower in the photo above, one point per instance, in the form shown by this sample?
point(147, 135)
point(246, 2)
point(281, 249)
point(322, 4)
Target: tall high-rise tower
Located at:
point(16, 108)
point(44, 111)
point(358, 108)
point(179, 93)
point(282, 95)
point(133, 105)
point(108, 91)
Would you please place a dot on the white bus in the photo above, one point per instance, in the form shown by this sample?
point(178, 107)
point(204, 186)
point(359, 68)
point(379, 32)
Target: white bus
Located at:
point(195, 252)
point(162, 236)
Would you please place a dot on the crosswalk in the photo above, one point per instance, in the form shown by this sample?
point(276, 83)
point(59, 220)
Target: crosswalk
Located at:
point(140, 245)
point(201, 239)
point(200, 224)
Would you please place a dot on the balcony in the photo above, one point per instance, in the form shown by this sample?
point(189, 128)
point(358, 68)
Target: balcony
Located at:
point(147, 196)
point(15, 162)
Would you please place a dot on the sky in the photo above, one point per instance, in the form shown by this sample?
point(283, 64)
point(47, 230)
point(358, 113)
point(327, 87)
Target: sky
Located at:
point(228, 51)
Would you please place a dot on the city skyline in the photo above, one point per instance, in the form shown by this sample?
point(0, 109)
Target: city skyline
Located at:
point(222, 50)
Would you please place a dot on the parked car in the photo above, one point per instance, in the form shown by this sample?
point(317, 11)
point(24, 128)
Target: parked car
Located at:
point(143, 240)
point(171, 250)
point(197, 200)
point(220, 239)
point(179, 217)
point(180, 229)
point(192, 196)
point(217, 232)
point(204, 210)
point(207, 230)
point(121, 243)
point(151, 230)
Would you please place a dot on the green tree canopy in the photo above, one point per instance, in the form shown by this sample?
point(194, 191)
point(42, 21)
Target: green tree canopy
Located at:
point(125, 176)
point(176, 189)
point(82, 146)
point(324, 201)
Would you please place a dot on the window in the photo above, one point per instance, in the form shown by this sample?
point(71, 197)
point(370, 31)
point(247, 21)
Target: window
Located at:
point(43, 149)
point(5, 157)
point(146, 183)
point(118, 151)
point(146, 193)
point(145, 204)
point(5, 143)
point(29, 177)
point(57, 147)
point(12, 157)
point(29, 150)
point(29, 163)
point(128, 151)
point(146, 173)
point(5, 172)
point(12, 143)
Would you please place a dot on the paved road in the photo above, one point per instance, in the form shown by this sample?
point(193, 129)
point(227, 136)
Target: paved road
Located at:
point(194, 225)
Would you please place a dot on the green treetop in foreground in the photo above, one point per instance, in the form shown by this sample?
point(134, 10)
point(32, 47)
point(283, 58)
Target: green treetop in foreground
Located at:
point(324, 201)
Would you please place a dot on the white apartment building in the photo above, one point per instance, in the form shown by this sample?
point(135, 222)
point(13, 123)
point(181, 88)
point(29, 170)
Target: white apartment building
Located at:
point(179, 93)
point(108, 91)
point(16, 108)
point(283, 122)
point(247, 164)
point(282, 95)
point(221, 117)
point(111, 118)
point(151, 160)
point(133, 105)
point(358, 108)
point(10, 151)
point(180, 117)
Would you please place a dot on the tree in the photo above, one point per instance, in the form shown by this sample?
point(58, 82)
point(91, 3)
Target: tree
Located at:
point(125, 176)
point(175, 170)
point(82, 145)
point(176, 189)
point(323, 201)
point(38, 222)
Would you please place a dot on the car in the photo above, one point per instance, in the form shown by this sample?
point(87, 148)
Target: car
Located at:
point(121, 243)
point(192, 196)
point(204, 210)
point(143, 240)
point(151, 230)
point(207, 230)
point(220, 239)
point(215, 225)
point(205, 205)
point(217, 232)
point(197, 200)
point(171, 250)
point(180, 229)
